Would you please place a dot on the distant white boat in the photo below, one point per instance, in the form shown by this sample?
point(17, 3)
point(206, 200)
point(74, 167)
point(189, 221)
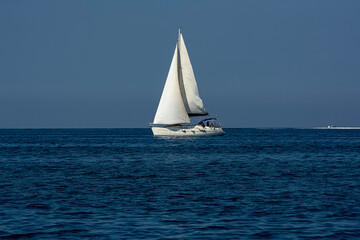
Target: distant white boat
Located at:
point(336, 127)
point(180, 100)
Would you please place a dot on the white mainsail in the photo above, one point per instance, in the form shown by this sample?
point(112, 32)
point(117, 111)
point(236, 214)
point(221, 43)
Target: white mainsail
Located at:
point(171, 109)
point(189, 89)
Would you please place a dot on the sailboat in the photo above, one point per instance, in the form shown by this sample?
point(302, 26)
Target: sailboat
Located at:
point(180, 100)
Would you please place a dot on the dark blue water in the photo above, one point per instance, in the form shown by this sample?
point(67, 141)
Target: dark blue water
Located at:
point(127, 184)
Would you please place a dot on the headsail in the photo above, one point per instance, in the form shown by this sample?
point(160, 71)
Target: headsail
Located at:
point(189, 89)
point(171, 109)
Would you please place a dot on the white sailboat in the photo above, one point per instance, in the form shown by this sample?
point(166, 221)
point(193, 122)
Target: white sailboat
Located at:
point(180, 100)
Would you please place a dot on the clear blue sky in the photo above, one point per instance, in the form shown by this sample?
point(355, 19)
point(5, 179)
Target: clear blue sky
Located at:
point(104, 63)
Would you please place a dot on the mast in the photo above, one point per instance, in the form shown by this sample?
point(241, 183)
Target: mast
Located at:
point(179, 39)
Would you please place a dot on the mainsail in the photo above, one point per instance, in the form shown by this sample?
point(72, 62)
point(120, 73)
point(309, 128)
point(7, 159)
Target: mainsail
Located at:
point(180, 97)
point(189, 89)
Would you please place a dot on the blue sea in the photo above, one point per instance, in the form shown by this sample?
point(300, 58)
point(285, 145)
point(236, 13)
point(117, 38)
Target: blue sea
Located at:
point(128, 184)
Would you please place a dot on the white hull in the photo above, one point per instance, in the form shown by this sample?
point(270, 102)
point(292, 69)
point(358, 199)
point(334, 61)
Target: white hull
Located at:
point(187, 131)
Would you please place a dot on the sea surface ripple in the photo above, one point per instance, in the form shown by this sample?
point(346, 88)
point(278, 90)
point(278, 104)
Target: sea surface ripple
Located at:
point(128, 184)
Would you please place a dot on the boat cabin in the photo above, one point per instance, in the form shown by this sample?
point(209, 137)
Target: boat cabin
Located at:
point(210, 122)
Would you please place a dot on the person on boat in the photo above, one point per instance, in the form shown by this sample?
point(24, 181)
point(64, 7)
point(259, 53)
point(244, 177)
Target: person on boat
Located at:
point(212, 125)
